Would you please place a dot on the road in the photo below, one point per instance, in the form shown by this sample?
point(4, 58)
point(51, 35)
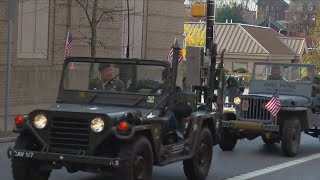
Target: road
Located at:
point(249, 159)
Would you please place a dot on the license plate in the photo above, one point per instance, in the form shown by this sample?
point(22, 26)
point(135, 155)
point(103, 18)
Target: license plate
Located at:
point(245, 105)
point(22, 154)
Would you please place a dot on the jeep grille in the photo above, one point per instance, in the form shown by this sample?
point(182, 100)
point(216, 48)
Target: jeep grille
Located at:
point(72, 134)
point(254, 109)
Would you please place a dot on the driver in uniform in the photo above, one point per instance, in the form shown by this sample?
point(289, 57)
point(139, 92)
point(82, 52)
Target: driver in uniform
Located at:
point(276, 74)
point(106, 81)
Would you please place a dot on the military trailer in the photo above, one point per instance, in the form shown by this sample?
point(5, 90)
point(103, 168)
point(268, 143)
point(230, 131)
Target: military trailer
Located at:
point(138, 119)
point(279, 106)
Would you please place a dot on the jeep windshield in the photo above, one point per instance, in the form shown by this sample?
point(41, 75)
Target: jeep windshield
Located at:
point(113, 81)
point(286, 78)
point(284, 72)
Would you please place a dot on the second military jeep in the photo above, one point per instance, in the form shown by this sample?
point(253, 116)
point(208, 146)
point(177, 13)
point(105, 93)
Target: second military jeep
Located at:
point(279, 106)
point(123, 126)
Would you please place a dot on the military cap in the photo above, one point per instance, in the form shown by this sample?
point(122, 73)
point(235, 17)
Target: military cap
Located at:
point(103, 66)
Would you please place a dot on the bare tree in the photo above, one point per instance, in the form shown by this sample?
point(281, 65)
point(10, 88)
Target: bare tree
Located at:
point(96, 12)
point(301, 16)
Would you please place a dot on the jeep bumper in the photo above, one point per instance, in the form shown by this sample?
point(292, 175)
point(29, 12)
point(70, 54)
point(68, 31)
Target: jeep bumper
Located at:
point(253, 126)
point(59, 157)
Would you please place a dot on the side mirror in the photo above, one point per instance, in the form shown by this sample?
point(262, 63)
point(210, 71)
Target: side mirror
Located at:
point(198, 10)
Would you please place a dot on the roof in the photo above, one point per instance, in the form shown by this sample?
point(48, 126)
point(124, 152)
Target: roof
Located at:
point(240, 38)
point(297, 45)
point(236, 40)
point(274, 23)
point(268, 38)
point(259, 2)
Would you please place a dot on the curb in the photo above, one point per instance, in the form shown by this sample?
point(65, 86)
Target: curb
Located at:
point(7, 139)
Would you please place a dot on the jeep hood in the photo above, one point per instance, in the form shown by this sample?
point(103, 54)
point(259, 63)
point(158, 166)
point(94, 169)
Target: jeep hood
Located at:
point(112, 111)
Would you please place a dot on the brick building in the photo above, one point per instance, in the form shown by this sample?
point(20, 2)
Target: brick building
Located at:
point(276, 8)
point(39, 35)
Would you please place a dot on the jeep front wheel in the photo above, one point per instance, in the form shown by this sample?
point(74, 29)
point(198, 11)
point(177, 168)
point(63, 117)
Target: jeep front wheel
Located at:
point(228, 141)
point(26, 169)
point(290, 137)
point(198, 167)
point(136, 160)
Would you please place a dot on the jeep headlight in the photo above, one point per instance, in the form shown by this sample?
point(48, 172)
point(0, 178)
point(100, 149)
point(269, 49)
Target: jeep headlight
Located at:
point(236, 100)
point(97, 125)
point(40, 121)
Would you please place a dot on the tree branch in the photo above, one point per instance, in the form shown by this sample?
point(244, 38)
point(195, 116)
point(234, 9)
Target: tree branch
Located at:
point(85, 8)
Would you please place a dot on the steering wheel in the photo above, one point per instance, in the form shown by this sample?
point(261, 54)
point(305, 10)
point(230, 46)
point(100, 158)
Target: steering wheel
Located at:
point(153, 88)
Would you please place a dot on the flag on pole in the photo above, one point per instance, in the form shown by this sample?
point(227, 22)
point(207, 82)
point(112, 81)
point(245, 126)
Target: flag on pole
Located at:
point(69, 44)
point(170, 54)
point(274, 104)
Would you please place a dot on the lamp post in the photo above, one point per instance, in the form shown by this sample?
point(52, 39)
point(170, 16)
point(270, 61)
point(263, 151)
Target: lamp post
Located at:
point(11, 4)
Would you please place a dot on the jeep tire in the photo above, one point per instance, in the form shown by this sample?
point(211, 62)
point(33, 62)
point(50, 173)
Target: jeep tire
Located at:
point(136, 160)
point(228, 141)
point(199, 165)
point(290, 137)
point(26, 169)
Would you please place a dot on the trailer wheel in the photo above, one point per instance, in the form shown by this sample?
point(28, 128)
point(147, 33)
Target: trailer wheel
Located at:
point(198, 167)
point(26, 169)
point(228, 141)
point(136, 160)
point(290, 137)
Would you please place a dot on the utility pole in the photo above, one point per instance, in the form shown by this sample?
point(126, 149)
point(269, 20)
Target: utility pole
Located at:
point(211, 52)
point(11, 5)
point(128, 41)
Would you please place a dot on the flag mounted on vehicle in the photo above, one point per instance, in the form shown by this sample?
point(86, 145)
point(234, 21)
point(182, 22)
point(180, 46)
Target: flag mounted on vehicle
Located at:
point(69, 44)
point(274, 104)
point(170, 54)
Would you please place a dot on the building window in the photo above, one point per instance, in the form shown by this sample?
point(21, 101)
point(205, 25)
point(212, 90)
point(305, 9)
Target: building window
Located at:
point(237, 65)
point(33, 28)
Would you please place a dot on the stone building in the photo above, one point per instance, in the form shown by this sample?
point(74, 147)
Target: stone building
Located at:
point(39, 34)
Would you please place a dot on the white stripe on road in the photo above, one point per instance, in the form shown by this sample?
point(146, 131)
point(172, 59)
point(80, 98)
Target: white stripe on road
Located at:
point(275, 168)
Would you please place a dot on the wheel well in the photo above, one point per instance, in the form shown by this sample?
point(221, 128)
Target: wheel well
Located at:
point(301, 115)
point(148, 135)
point(209, 123)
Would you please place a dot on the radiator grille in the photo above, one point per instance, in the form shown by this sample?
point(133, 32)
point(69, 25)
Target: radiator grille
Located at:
point(72, 134)
point(251, 108)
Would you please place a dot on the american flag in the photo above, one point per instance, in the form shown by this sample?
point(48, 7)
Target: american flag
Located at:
point(69, 44)
point(273, 105)
point(170, 55)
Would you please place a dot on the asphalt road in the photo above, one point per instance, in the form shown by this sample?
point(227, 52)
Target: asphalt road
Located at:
point(249, 159)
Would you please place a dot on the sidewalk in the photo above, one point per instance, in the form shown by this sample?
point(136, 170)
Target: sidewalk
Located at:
point(7, 137)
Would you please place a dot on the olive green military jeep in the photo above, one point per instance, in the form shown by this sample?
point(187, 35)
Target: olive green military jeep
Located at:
point(280, 105)
point(118, 117)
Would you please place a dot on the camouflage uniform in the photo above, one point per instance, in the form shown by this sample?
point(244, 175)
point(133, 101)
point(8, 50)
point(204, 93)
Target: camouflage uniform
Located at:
point(113, 85)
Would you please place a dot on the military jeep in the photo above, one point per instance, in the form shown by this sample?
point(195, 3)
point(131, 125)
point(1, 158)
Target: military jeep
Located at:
point(121, 127)
point(260, 114)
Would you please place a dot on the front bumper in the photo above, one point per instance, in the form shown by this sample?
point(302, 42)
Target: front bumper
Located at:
point(67, 158)
point(251, 126)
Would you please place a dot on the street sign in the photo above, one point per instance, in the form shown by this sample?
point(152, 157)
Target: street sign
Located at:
point(11, 8)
